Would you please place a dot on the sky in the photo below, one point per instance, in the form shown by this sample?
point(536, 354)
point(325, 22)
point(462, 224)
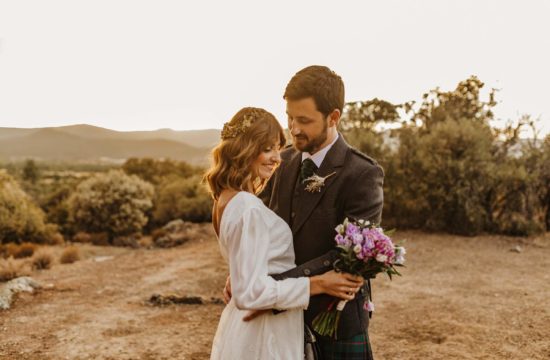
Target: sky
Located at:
point(143, 65)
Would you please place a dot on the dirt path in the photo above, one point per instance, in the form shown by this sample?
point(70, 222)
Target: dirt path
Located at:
point(460, 298)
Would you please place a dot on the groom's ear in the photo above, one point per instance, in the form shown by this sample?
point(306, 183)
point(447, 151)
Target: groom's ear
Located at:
point(334, 118)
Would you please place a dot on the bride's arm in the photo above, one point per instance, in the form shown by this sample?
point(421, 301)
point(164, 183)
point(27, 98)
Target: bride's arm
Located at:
point(252, 287)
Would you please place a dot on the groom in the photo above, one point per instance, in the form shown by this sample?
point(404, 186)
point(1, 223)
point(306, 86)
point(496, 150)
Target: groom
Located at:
point(314, 102)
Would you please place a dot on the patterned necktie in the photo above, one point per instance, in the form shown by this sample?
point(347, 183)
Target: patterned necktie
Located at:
point(307, 169)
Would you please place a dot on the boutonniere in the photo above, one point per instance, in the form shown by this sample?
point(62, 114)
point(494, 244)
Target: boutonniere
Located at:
point(315, 182)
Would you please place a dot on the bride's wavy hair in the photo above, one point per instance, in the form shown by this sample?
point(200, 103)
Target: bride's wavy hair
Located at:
point(244, 137)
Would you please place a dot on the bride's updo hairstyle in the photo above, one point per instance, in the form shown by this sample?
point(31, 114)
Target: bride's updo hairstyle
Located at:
point(244, 137)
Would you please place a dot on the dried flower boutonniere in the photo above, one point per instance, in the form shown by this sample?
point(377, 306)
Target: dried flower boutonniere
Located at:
point(315, 182)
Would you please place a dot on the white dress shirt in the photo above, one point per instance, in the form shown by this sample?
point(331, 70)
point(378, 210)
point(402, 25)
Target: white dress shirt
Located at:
point(319, 156)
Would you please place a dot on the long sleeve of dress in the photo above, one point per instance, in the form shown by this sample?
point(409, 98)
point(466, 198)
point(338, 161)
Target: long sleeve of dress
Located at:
point(252, 287)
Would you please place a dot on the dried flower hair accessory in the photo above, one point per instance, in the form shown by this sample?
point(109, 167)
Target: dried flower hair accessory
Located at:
point(232, 131)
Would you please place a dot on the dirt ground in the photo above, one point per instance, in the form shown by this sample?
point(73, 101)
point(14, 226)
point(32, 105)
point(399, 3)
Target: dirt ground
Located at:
point(459, 298)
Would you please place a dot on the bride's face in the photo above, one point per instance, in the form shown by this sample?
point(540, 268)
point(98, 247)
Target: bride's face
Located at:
point(267, 161)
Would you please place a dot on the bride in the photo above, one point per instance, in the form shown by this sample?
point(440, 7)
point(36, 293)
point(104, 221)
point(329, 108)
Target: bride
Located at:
point(256, 243)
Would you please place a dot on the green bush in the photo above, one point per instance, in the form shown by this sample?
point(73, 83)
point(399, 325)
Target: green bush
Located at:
point(456, 170)
point(157, 171)
point(185, 199)
point(20, 219)
point(447, 169)
point(113, 202)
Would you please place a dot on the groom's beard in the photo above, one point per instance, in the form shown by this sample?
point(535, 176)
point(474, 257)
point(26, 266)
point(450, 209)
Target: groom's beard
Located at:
point(310, 146)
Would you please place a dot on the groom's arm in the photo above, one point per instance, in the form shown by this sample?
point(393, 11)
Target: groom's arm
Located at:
point(317, 266)
point(366, 199)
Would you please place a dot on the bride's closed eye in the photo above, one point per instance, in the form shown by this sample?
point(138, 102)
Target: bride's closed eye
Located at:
point(271, 148)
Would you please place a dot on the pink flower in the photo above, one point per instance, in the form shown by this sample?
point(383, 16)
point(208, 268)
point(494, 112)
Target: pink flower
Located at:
point(369, 306)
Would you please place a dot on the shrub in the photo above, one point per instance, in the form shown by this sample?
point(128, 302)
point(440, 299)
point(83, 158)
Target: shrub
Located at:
point(456, 168)
point(82, 237)
point(156, 171)
point(20, 218)
point(114, 203)
point(70, 255)
point(42, 260)
point(185, 199)
point(100, 239)
point(24, 250)
point(10, 269)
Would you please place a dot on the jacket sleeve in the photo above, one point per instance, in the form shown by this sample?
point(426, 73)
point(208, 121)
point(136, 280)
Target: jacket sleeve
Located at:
point(367, 197)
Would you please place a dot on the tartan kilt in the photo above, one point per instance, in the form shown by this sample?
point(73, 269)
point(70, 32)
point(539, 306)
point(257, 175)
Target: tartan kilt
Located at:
point(355, 348)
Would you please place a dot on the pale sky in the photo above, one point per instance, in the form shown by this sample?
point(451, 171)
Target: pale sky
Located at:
point(139, 65)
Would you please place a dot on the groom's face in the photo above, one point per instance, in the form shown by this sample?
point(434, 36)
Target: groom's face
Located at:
point(307, 125)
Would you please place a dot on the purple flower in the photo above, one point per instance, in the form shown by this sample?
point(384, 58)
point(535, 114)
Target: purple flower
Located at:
point(351, 229)
point(339, 239)
point(357, 238)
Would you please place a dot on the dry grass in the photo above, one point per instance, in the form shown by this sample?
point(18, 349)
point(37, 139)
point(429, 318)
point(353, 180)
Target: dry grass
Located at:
point(70, 255)
point(10, 269)
point(42, 260)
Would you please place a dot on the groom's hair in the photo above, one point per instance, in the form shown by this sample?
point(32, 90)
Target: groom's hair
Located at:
point(322, 84)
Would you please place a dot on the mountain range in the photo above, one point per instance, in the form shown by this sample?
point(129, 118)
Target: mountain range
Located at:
point(87, 143)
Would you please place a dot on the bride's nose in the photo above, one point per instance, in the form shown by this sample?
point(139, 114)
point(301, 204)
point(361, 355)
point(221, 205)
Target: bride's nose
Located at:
point(276, 157)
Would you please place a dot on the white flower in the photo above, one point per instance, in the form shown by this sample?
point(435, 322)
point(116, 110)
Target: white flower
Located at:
point(357, 248)
point(399, 260)
point(381, 258)
point(340, 229)
point(315, 182)
point(400, 250)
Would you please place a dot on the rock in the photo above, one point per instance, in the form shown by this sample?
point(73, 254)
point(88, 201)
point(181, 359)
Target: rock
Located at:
point(162, 300)
point(517, 249)
point(127, 241)
point(103, 258)
point(176, 226)
point(171, 240)
point(23, 283)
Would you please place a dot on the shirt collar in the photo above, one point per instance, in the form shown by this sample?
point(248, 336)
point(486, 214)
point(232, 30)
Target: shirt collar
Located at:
point(319, 156)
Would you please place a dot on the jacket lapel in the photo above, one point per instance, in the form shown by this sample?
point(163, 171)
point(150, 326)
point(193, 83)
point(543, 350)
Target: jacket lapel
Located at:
point(287, 180)
point(333, 162)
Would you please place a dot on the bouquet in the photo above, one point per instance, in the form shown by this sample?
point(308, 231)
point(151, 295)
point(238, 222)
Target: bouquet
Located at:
point(365, 250)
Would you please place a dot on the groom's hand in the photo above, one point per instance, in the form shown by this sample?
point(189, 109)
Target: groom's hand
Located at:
point(227, 290)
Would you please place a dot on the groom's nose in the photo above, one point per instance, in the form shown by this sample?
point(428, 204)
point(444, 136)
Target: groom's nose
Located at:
point(294, 130)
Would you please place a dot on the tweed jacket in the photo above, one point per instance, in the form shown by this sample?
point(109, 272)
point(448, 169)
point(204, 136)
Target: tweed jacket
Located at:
point(354, 191)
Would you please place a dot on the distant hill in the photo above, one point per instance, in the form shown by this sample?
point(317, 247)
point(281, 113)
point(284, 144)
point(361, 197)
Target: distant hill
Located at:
point(196, 138)
point(86, 143)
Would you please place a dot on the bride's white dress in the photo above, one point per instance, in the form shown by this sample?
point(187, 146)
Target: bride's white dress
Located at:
point(256, 242)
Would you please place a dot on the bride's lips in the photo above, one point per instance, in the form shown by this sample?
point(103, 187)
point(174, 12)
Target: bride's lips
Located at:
point(271, 167)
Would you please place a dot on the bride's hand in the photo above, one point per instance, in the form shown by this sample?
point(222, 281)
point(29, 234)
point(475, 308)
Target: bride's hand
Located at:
point(337, 284)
